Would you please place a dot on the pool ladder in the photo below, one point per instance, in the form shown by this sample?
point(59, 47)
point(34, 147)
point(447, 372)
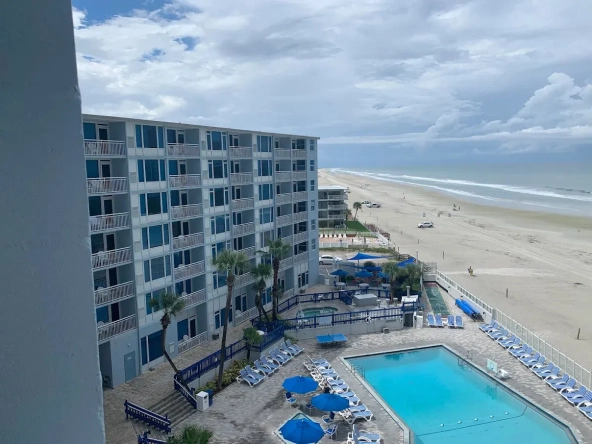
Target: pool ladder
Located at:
point(463, 362)
point(359, 370)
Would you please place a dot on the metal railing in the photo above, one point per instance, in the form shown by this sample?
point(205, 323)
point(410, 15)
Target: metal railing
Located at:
point(210, 362)
point(107, 148)
point(270, 338)
point(106, 222)
point(280, 153)
point(288, 239)
point(186, 211)
point(299, 175)
point(301, 237)
point(192, 342)
point(107, 331)
point(283, 220)
point(336, 207)
point(299, 196)
point(107, 185)
point(285, 263)
point(249, 251)
point(299, 154)
point(245, 316)
point(282, 176)
point(185, 181)
point(195, 298)
point(237, 152)
point(183, 149)
point(283, 198)
point(188, 241)
point(114, 293)
point(243, 204)
point(186, 394)
point(154, 419)
point(244, 279)
point(300, 217)
point(188, 271)
point(241, 178)
point(243, 229)
point(111, 258)
point(302, 257)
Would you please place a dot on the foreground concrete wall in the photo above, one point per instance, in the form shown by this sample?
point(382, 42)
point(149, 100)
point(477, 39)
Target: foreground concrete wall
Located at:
point(49, 366)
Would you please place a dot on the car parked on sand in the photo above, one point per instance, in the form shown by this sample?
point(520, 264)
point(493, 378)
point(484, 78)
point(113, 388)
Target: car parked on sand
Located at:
point(327, 259)
point(373, 205)
point(426, 224)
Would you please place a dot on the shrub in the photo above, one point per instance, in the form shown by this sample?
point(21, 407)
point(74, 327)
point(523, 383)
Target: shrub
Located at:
point(191, 435)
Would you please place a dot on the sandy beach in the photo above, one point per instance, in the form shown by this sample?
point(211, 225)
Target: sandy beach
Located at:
point(543, 259)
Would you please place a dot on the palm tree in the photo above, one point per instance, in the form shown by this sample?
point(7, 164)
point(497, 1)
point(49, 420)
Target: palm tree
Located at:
point(171, 305)
point(348, 214)
point(251, 337)
point(191, 435)
point(414, 276)
point(357, 206)
point(227, 261)
point(262, 272)
point(392, 270)
point(276, 250)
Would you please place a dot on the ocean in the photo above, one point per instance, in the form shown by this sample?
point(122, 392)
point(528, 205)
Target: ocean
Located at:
point(556, 188)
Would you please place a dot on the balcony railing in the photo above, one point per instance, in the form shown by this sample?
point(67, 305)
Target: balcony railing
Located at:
point(191, 299)
point(112, 258)
point(299, 154)
point(114, 293)
point(282, 154)
point(285, 263)
point(299, 196)
point(337, 196)
point(107, 185)
point(300, 237)
point(186, 211)
point(241, 178)
point(337, 207)
point(283, 198)
point(282, 176)
point(284, 220)
point(300, 217)
point(106, 148)
point(193, 342)
point(109, 222)
point(185, 181)
point(299, 175)
point(188, 271)
point(243, 229)
point(288, 239)
point(107, 331)
point(244, 316)
point(188, 241)
point(183, 149)
point(241, 152)
point(302, 257)
point(249, 251)
point(243, 204)
point(244, 279)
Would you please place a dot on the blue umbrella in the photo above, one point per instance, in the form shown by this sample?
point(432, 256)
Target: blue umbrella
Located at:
point(302, 431)
point(339, 272)
point(329, 402)
point(362, 256)
point(300, 384)
point(409, 261)
point(363, 274)
point(382, 275)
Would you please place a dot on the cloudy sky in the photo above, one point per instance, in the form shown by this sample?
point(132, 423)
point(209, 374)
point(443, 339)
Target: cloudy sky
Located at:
point(434, 79)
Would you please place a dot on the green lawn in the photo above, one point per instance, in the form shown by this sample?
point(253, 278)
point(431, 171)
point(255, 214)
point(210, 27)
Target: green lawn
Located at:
point(356, 225)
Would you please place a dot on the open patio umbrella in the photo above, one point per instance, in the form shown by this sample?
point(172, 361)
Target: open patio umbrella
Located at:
point(363, 256)
point(300, 384)
point(339, 272)
point(409, 261)
point(302, 431)
point(382, 275)
point(363, 274)
point(329, 402)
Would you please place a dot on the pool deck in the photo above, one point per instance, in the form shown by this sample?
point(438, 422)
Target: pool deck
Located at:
point(241, 414)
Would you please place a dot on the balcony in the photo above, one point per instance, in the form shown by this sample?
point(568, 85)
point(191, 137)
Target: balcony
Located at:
point(243, 204)
point(282, 176)
point(283, 198)
point(192, 342)
point(107, 185)
point(195, 298)
point(183, 149)
point(188, 241)
point(300, 217)
point(299, 175)
point(244, 279)
point(288, 239)
point(299, 154)
point(186, 211)
point(337, 196)
point(249, 251)
point(241, 152)
point(243, 229)
point(286, 263)
point(185, 181)
point(282, 154)
point(284, 220)
point(244, 316)
point(188, 271)
point(114, 293)
point(108, 222)
point(241, 178)
point(104, 148)
point(300, 237)
point(111, 329)
point(338, 207)
point(302, 257)
point(300, 196)
point(112, 258)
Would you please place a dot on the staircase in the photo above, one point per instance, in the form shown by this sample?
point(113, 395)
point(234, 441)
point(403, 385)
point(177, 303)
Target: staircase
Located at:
point(175, 406)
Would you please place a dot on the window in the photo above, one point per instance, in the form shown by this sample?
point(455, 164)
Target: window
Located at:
point(311, 144)
point(312, 185)
point(155, 294)
point(217, 169)
point(92, 169)
point(265, 215)
point(157, 268)
point(153, 203)
point(149, 136)
point(264, 168)
point(303, 279)
point(300, 144)
point(175, 136)
point(151, 170)
point(265, 191)
point(240, 302)
point(313, 224)
point(219, 279)
point(299, 165)
point(155, 236)
point(151, 347)
point(312, 205)
point(312, 165)
point(220, 317)
point(219, 247)
point(220, 224)
point(216, 140)
point(264, 144)
point(265, 237)
point(218, 197)
point(266, 296)
point(313, 244)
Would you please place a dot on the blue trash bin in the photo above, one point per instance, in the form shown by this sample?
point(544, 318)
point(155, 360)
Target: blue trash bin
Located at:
point(210, 396)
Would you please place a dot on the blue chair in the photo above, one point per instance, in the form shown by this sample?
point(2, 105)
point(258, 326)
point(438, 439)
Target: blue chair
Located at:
point(362, 436)
point(571, 382)
point(245, 377)
point(530, 359)
point(431, 321)
point(268, 363)
point(458, 322)
point(263, 369)
point(331, 430)
point(451, 323)
point(439, 321)
point(547, 372)
point(289, 398)
point(294, 346)
point(522, 352)
point(573, 394)
point(551, 380)
point(253, 374)
point(486, 328)
point(496, 334)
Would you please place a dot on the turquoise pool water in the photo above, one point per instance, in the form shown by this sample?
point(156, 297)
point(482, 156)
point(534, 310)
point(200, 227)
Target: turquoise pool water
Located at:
point(442, 401)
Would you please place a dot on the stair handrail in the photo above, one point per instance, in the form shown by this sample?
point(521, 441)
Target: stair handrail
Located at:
point(154, 419)
point(187, 395)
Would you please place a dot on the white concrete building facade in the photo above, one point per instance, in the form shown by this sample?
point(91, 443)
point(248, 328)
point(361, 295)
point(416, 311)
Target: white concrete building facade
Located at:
point(332, 206)
point(164, 199)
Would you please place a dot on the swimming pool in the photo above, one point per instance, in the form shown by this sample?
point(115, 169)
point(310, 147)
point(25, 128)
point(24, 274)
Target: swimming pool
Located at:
point(316, 311)
point(443, 399)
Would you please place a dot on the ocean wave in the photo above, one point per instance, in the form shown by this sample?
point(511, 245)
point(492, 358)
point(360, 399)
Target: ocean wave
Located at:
point(572, 190)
